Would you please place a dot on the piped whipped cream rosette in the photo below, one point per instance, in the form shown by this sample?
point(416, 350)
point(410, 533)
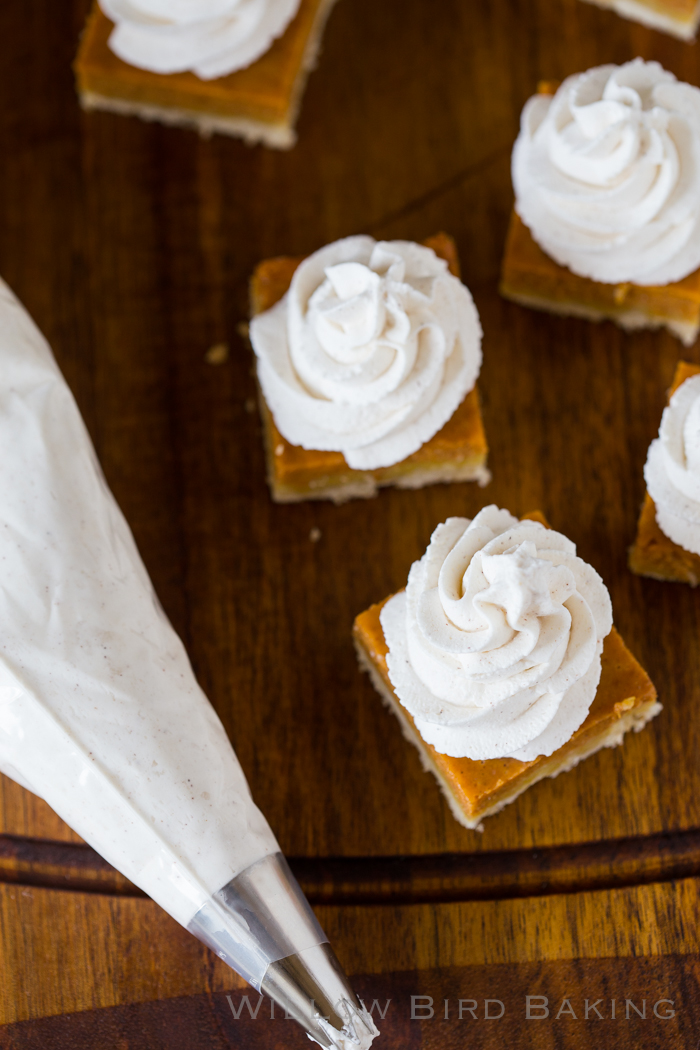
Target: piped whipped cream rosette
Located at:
point(211, 38)
point(370, 352)
point(495, 645)
point(672, 470)
point(607, 174)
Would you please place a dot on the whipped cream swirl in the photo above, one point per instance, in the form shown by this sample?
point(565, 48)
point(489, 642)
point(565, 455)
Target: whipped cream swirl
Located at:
point(495, 645)
point(672, 470)
point(370, 352)
point(607, 174)
point(209, 37)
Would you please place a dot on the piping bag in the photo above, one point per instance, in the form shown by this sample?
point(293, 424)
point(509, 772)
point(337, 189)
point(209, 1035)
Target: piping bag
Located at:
point(101, 715)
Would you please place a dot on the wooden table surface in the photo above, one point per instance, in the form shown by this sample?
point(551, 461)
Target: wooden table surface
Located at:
point(131, 245)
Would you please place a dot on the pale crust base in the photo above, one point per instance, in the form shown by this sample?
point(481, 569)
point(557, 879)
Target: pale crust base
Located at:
point(681, 25)
point(277, 134)
point(368, 488)
point(630, 320)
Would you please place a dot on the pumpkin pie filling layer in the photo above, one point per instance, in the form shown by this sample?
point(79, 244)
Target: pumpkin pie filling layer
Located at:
point(259, 103)
point(653, 553)
point(530, 277)
point(456, 453)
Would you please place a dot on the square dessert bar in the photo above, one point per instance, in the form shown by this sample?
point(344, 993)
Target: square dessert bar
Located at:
point(678, 17)
point(456, 453)
point(259, 103)
point(653, 553)
point(626, 699)
point(530, 277)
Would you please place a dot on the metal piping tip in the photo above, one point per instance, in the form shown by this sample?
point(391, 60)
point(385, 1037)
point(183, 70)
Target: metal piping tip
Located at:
point(313, 989)
point(260, 923)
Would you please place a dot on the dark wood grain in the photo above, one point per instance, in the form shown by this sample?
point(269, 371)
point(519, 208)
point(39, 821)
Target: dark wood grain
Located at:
point(436, 878)
point(63, 953)
point(579, 997)
point(132, 246)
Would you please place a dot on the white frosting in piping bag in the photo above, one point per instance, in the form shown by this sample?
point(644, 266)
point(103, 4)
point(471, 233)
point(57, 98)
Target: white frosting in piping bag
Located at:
point(209, 37)
point(607, 174)
point(672, 470)
point(370, 352)
point(100, 713)
point(495, 645)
